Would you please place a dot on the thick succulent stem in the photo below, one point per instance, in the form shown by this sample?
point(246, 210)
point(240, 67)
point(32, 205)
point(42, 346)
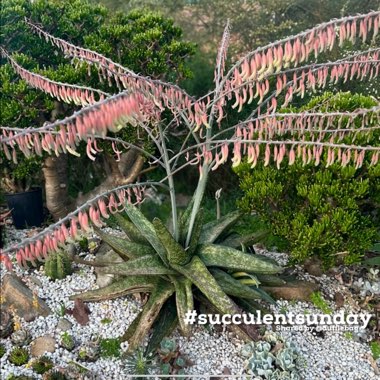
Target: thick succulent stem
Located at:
point(171, 186)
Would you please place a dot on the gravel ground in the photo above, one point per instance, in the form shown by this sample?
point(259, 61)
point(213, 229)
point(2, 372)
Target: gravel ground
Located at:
point(333, 356)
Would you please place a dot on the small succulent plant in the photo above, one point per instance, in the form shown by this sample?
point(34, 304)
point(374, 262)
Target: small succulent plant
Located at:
point(90, 351)
point(168, 349)
point(58, 265)
point(285, 359)
point(21, 337)
point(2, 350)
point(67, 341)
point(54, 374)
point(271, 358)
point(139, 363)
point(172, 362)
point(19, 356)
point(42, 365)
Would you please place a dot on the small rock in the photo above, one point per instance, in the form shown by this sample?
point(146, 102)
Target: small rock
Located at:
point(339, 300)
point(64, 324)
point(295, 290)
point(313, 266)
point(42, 345)
point(18, 296)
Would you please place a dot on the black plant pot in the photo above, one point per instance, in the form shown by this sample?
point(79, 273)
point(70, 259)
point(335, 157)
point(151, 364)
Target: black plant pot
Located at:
point(27, 209)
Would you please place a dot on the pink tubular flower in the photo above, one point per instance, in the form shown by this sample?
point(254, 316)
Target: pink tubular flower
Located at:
point(4, 258)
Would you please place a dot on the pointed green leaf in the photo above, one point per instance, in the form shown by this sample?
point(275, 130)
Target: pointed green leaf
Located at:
point(270, 280)
point(131, 328)
point(233, 287)
point(164, 325)
point(150, 312)
point(226, 257)
point(373, 261)
point(127, 285)
point(147, 229)
point(131, 231)
point(146, 265)
point(251, 306)
point(124, 248)
point(211, 231)
point(197, 230)
point(184, 221)
point(236, 241)
point(184, 301)
point(174, 252)
point(199, 275)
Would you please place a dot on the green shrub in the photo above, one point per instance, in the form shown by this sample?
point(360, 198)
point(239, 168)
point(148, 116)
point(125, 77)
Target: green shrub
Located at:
point(375, 349)
point(329, 212)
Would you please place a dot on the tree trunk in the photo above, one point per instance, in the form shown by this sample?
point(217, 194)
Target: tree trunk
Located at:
point(118, 173)
point(57, 198)
point(56, 182)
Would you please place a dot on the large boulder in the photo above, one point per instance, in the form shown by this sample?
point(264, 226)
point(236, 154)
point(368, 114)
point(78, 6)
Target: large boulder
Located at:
point(18, 297)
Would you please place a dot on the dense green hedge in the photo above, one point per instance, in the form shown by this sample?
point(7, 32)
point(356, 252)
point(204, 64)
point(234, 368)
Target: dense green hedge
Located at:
point(329, 212)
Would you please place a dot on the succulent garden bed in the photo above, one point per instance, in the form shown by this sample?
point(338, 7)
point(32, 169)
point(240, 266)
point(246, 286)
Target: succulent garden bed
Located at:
point(92, 349)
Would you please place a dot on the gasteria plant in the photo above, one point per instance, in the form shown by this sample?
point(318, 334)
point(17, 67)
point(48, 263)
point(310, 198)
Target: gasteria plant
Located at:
point(174, 264)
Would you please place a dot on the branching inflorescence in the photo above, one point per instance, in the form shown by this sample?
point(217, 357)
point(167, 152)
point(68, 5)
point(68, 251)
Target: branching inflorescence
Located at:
point(270, 77)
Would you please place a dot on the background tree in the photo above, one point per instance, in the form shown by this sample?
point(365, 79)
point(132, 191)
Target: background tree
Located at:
point(146, 42)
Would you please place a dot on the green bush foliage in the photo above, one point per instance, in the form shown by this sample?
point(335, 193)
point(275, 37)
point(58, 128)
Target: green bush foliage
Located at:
point(329, 212)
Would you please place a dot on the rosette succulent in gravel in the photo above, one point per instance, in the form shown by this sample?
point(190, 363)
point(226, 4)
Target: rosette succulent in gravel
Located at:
point(272, 358)
point(173, 273)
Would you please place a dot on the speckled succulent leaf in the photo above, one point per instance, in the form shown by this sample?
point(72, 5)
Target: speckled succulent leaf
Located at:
point(131, 328)
point(165, 323)
point(270, 280)
point(120, 288)
point(211, 231)
point(233, 287)
point(226, 257)
point(184, 302)
point(124, 248)
point(147, 229)
point(146, 265)
point(151, 309)
point(251, 306)
point(236, 240)
point(199, 275)
point(246, 279)
point(184, 221)
point(174, 252)
point(195, 236)
point(130, 229)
